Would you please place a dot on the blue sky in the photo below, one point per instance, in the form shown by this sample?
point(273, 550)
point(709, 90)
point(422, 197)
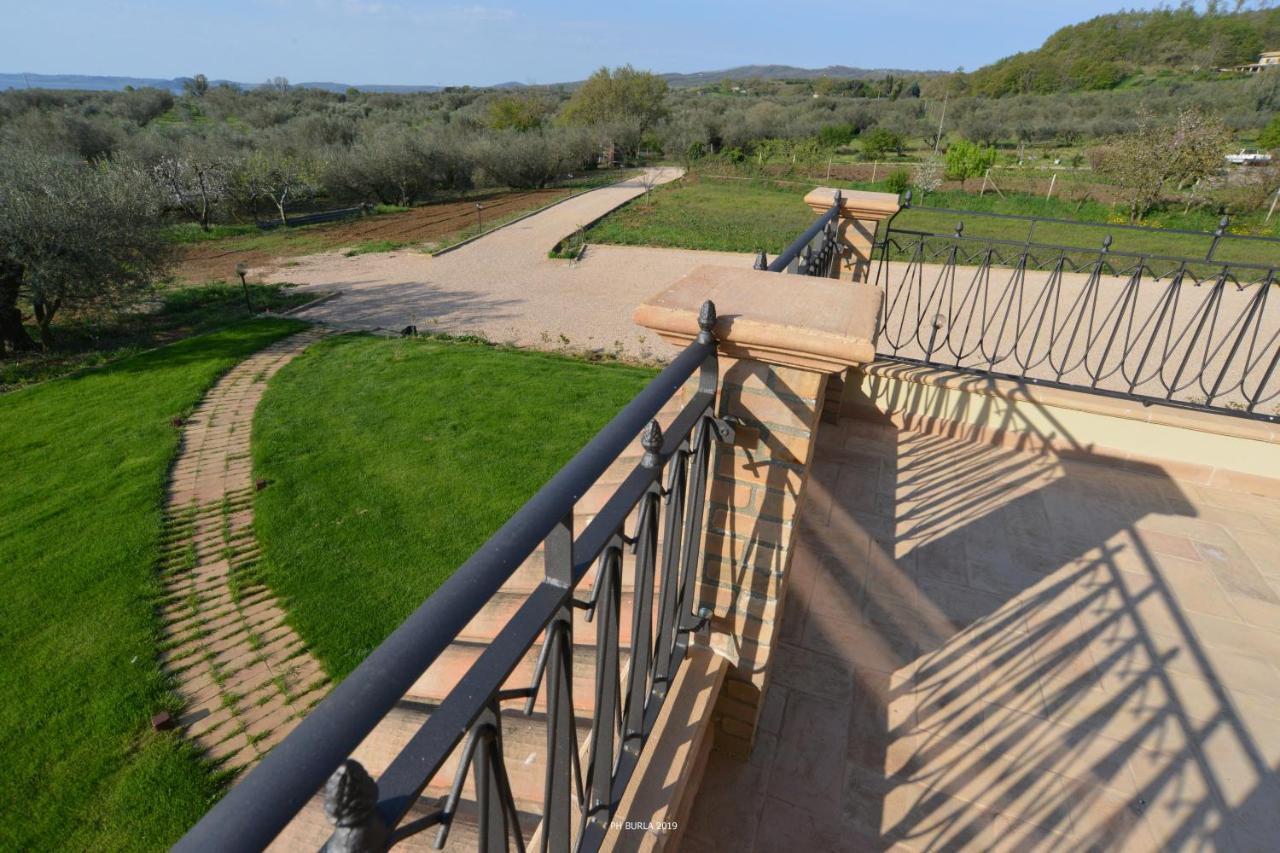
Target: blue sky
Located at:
point(493, 41)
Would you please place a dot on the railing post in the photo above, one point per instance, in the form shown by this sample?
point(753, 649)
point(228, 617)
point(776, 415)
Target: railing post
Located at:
point(860, 216)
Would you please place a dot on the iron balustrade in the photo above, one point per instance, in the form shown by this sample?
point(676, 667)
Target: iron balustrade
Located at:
point(816, 252)
point(1192, 332)
point(666, 491)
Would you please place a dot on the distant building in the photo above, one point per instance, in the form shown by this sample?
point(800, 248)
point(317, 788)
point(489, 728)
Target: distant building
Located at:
point(1266, 62)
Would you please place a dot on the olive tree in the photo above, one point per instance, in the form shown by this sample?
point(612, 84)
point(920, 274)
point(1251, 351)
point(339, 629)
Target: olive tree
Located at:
point(196, 182)
point(279, 178)
point(1158, 157)
point(73, 237)
point(534, 159)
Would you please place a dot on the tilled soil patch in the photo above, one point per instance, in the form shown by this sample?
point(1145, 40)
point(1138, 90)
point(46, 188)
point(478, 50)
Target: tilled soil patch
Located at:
point(430, 223)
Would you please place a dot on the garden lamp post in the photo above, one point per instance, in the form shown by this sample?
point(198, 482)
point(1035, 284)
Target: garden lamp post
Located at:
point(242, 270)
point(479, 217)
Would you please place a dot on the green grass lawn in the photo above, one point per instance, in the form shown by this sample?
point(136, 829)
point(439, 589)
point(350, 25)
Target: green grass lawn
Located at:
point(86, 459)
point(179, 312)
point(728, 214)
point(391, 461)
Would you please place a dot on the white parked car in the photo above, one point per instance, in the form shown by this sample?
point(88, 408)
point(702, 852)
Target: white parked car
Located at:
point(1249, 157)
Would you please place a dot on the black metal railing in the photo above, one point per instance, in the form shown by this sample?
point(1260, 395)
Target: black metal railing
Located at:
point(1153, 326)
point(665, 492)
point(816, 252)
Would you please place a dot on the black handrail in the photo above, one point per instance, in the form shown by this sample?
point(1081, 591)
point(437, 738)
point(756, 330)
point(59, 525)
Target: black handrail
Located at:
point(262, 804)
point(792, 256)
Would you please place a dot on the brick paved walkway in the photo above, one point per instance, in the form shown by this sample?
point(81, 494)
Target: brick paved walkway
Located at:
point(244, 674)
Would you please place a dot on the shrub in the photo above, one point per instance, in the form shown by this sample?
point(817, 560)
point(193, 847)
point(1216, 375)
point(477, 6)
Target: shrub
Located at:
point(898, 181)
point(966, 160)
point(1270, 137)
point(835, 135)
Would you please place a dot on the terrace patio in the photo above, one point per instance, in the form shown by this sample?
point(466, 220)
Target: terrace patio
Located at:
point(988, 648)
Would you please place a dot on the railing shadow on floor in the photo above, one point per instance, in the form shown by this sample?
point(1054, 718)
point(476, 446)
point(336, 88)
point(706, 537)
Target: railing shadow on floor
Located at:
point(980, 647)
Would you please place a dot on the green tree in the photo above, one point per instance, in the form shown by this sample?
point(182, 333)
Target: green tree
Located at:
point(525, 111)
point(73, 237)
point(880, 141)
point(965, 160)
point(623, 95)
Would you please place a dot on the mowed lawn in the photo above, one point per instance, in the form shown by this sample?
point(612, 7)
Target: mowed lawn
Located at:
point(390, 462)
point(715, 215)
point(86, 459)
point(736, 215)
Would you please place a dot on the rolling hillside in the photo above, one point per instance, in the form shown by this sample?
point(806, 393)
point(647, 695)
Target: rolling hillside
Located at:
point(1110, 50)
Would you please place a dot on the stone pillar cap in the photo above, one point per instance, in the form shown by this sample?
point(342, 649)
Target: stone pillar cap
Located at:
point(818, 324)
point(859, 204)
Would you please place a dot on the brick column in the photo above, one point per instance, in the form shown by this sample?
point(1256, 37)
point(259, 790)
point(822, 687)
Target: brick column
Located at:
point(778, 344)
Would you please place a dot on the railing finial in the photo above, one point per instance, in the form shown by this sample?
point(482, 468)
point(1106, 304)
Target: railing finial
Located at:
point(707, 322)
point(1106, 243)
point(960, 229)
point(350, 804)
point(762, 262)
point(651, 441)
point(906, 199)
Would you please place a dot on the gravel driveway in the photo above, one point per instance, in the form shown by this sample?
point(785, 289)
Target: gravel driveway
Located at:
point(505, 287)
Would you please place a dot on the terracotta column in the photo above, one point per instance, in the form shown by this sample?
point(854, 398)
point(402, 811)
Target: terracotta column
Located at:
point(860, 214)
point(778, 347)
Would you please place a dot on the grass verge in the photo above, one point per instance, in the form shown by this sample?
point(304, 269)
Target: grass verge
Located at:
point(739, 215)
point(180, 313)
point(391, 461)
point(87, 457)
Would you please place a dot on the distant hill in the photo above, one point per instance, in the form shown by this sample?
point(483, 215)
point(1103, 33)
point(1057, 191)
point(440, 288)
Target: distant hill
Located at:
point(698, 78)
point(785, 72)
point(96, 83)
point(1104, 52)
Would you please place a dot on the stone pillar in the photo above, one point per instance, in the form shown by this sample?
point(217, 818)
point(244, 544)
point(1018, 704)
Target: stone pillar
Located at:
point(778, 346)
point(860, 214)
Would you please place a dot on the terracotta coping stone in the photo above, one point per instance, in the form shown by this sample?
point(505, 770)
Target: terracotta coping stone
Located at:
point(1081, 401)
point(818, 324)
point(854, 204)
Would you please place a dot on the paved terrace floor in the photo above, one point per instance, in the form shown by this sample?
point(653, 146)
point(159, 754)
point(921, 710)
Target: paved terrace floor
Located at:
point(505, 287)
point(984, 649)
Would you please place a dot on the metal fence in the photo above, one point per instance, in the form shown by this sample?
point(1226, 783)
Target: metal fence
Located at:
point(1189, 331)
point(665, 493)
point(315, 218)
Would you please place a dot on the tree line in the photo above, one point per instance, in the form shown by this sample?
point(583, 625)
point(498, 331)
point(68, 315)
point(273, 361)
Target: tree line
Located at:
point(218, 153)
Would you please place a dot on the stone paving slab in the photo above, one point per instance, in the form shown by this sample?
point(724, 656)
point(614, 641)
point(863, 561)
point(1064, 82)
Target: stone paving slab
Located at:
point(983, 649)
point(245, 676)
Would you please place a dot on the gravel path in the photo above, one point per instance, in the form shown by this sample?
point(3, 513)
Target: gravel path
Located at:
point(505, 287)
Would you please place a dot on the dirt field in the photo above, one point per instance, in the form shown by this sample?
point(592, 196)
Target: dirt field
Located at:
point(428, 224)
